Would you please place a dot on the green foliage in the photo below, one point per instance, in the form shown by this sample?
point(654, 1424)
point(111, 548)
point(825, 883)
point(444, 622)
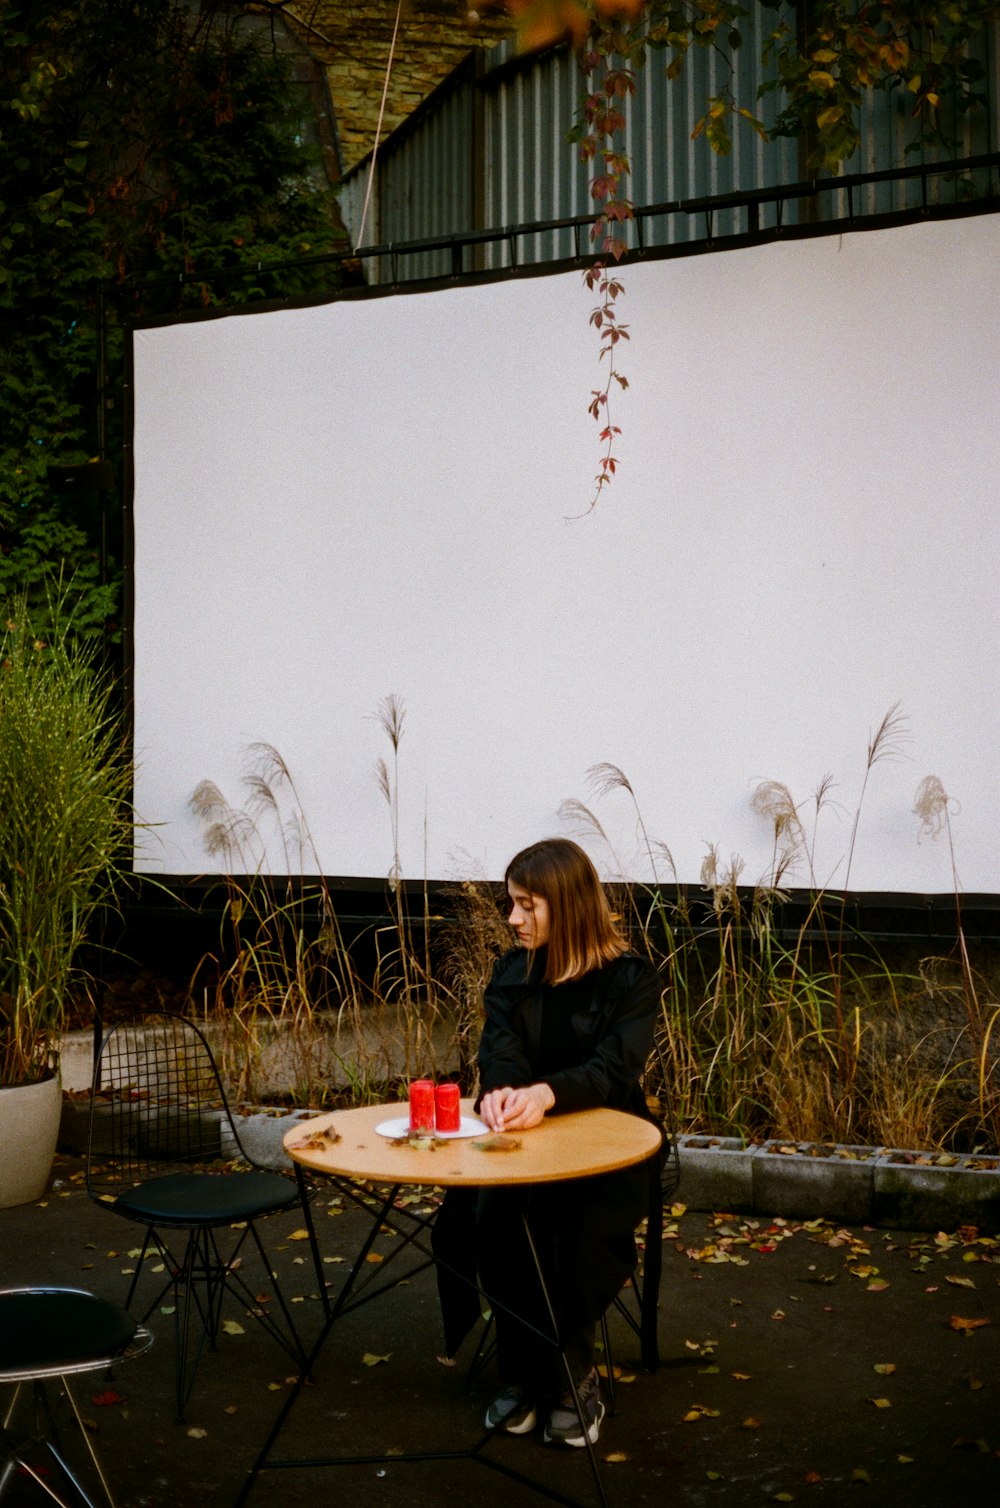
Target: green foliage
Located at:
point(824, 59)
point(137, 137)
point(63, 822)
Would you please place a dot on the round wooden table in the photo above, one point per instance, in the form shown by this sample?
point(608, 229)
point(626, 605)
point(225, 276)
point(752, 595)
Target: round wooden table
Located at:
point(345, 1143)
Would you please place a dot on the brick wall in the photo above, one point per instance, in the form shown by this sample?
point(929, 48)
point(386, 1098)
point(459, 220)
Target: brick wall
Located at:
point(351, 38)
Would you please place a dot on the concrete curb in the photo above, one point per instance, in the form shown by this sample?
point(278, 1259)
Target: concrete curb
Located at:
point(890, 1188)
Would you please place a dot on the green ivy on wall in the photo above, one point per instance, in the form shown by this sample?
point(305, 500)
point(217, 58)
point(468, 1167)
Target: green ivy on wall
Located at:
point(137, 137)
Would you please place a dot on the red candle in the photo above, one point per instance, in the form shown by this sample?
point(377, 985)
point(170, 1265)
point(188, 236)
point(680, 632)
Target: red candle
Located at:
point(422, 1107)
point(446, 1110)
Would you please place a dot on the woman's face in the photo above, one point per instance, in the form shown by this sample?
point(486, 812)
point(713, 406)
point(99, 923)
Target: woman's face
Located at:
point(529, 916)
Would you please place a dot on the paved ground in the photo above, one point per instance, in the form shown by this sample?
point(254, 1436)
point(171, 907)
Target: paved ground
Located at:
point(802, 1363)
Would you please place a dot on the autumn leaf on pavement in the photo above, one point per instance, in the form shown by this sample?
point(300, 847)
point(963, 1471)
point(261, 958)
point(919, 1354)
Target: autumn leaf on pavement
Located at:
point(958, 1323)
point(370, 1360)
point(109, 1396)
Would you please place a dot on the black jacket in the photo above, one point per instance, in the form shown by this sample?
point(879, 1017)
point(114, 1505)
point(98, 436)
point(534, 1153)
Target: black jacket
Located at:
point(615, 1030)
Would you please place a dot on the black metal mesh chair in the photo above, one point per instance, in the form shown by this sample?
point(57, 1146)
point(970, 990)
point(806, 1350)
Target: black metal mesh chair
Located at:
point(46, 1334)
point(158, 1112)
point(453, 1239)
point(638, 1305)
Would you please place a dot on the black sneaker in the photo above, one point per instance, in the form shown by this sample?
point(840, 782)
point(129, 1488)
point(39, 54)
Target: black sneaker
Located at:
point(511, 1411)
point(565, 1427)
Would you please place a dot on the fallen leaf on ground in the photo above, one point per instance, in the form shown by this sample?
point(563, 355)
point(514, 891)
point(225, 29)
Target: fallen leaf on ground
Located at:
point(616, 1455)
point(959, 1282)
point(885, 1368)
point(752, 1422)
point(232, 1327)
point(299, 1235)
point(197, 1433)
point(881, 1403)
point(109, 1396)
point(958, 1323)
point(371, 1360)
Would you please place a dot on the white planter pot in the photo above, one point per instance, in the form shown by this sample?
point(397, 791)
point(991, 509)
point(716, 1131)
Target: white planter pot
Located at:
point(29, 1126)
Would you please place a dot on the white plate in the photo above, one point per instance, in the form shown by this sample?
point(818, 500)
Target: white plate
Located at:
point(400, 1126)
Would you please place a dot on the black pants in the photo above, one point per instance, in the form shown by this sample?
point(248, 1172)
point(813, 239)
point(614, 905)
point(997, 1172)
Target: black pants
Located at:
point(584, 1235)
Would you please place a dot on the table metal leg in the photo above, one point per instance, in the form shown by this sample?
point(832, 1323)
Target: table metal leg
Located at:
point(381, 1212)
point(574, 1394)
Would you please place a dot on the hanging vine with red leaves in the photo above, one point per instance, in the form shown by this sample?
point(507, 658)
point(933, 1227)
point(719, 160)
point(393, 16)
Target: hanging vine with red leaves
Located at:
point(824, 58)
point(603, 120)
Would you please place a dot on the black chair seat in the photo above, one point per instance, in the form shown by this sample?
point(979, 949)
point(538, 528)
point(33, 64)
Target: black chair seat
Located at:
point(190, 1199)
point(53, 1330)
point(48, 1334)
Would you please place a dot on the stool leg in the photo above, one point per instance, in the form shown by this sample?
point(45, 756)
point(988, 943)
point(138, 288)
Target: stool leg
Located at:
point(86, 1435)
point(50, 1440)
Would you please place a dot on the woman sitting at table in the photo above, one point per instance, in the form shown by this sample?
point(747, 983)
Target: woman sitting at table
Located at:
point(569, 1025)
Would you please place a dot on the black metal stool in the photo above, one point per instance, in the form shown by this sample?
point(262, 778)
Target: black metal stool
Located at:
point(50, 1333)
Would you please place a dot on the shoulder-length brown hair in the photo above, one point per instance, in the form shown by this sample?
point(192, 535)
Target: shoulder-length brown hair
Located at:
point(583, 933)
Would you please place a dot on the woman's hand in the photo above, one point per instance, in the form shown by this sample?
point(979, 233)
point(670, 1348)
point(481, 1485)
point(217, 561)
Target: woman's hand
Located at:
point(516, 1109)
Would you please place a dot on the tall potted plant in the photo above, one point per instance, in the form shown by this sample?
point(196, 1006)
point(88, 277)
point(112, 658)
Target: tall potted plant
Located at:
point(63, 820)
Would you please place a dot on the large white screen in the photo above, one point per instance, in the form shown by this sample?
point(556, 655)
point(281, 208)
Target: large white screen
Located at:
point(382, 496)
